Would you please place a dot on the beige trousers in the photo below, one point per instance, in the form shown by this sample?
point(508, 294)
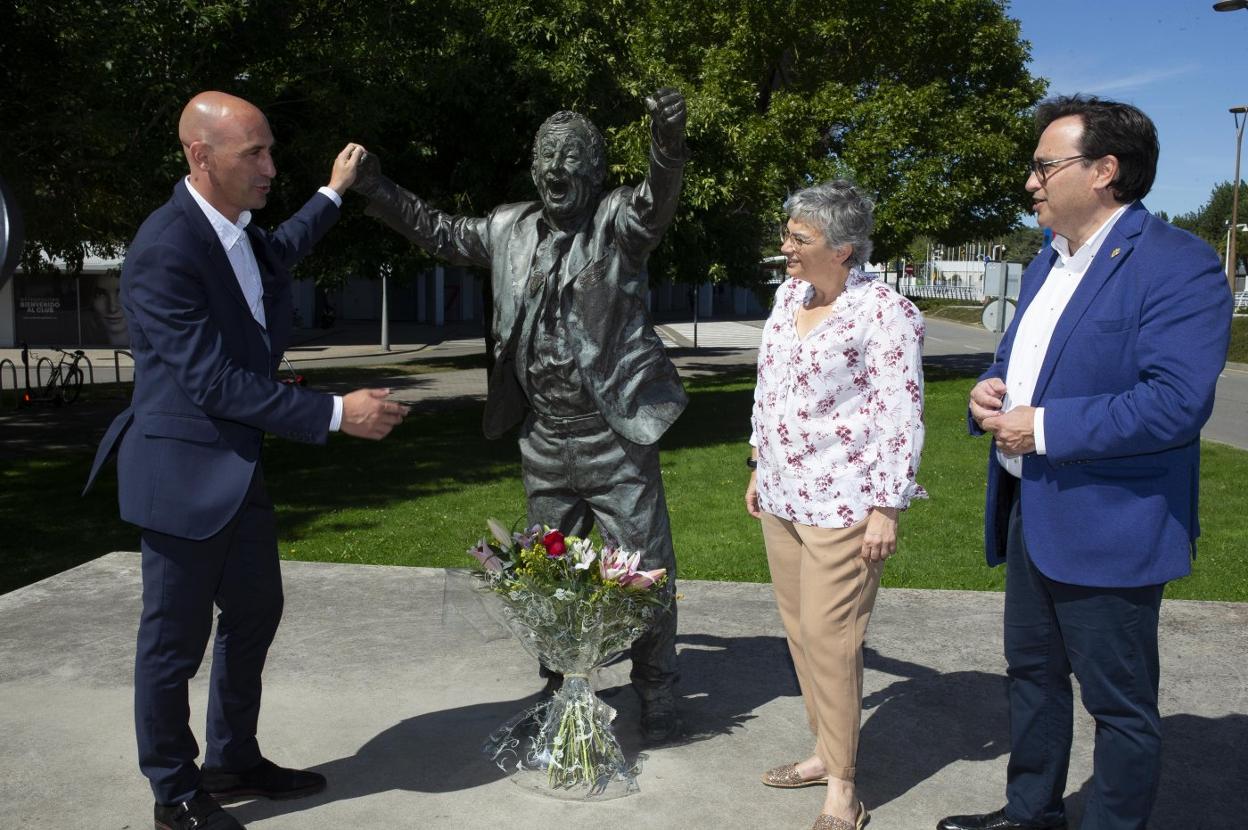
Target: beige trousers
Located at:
point(826, 591)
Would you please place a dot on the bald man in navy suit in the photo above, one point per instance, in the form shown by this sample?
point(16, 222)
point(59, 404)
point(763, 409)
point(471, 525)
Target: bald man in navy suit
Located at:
point(207, 299)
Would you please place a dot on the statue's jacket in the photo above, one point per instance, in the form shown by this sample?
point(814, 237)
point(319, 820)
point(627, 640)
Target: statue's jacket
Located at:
point(601, 293)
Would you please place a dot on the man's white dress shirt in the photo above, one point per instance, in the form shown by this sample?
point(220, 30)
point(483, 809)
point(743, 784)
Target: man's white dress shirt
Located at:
point(233, 236)
point(1031, 341)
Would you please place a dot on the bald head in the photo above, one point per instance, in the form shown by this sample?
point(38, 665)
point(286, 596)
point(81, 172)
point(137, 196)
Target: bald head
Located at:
point(206, 116)
point(227, 143)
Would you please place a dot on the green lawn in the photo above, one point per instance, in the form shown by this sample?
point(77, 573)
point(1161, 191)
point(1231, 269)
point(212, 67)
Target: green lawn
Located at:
point(1238, 352)
point(957, 311)
point(422, 496)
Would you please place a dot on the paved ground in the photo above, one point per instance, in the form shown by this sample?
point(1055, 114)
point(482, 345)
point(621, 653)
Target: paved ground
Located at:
point(380, 681)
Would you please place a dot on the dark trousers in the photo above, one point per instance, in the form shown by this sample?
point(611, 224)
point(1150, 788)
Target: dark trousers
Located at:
point(578, 471)
point(1108, 638)
point(238, 571)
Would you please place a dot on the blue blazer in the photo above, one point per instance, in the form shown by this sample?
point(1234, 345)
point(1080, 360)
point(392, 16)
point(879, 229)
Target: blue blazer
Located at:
point(205, 387)
point(1126, 385)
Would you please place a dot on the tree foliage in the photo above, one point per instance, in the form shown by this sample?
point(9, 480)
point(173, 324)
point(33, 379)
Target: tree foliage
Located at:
point(1211, 221)
point(924, 103)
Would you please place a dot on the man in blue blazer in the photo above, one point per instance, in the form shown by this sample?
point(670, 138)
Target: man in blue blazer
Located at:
point(207, 298)
point(1095, 403)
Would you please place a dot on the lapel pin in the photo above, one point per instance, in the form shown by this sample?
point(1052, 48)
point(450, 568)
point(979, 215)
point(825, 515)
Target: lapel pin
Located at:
point(1115, 252)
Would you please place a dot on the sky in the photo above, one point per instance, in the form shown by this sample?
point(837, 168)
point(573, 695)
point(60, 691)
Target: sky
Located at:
point(1179, 61)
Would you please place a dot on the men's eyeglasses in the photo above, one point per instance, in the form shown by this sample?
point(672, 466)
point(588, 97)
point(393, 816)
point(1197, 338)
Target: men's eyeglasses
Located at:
point(797, 239)
point(1042, 168)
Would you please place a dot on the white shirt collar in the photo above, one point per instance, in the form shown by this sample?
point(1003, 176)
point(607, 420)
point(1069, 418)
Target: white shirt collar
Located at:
point(1080, 259)
point(228, 232)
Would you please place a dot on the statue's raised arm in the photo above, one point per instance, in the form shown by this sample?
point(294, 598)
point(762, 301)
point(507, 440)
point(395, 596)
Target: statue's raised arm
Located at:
point(460, 240)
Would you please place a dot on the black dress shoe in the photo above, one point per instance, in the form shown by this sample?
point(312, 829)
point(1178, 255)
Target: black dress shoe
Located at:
point(265, 780)
point(200, 813)
point(992, 821)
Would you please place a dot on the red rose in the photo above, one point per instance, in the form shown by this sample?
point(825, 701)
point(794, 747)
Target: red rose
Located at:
point(553, 542)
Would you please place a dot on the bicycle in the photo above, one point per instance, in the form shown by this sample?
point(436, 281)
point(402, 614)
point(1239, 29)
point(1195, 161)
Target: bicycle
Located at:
point(65, 382)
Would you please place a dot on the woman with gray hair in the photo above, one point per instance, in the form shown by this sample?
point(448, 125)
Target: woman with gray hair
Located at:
point(837, 433)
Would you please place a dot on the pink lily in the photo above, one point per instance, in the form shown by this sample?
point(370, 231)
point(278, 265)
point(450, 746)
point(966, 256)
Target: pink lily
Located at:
point(486, 556)
point(643, 579)
point(616, 564)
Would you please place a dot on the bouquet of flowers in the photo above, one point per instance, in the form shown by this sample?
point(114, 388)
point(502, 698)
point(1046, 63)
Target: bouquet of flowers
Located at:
point(573, 606)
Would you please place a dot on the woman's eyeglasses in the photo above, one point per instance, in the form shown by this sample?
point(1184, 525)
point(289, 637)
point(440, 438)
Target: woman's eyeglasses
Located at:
point(796, 238)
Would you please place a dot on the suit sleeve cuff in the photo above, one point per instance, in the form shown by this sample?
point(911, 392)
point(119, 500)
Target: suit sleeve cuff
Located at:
point(332, 194)
point(335, 420)
point(1037, 429)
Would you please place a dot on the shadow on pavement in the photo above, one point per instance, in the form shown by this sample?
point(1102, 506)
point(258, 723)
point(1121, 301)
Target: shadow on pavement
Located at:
point(723, 681)
point(1198, 790)
point(925, 721)
point(436, 752)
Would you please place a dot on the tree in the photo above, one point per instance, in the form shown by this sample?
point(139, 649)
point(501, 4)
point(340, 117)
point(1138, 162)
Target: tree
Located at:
point(1022, 245)
point(1211, 221)
point(924, 103)
point(89, 90)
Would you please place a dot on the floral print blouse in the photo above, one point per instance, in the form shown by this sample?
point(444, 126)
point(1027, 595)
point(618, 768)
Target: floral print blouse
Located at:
point(838, 414)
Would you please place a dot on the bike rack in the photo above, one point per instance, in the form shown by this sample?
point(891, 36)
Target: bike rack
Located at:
point(39, 370)
point(90, 369)
point(17, 394)
point(117, 353)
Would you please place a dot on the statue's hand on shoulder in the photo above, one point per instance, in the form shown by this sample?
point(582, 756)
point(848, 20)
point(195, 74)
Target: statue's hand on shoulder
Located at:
point(667, 118)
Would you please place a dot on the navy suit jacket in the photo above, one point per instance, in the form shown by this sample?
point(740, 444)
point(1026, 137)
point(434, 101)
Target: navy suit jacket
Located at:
point(1126, 385)
point(205, 387)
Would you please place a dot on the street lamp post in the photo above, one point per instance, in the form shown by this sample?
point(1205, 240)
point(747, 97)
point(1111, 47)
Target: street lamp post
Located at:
point(1241, 117)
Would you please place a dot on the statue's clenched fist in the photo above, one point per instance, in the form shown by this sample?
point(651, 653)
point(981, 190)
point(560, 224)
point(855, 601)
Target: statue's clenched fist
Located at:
point(667, 119)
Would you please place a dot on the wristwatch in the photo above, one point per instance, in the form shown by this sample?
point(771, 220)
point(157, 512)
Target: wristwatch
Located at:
point(752, 463)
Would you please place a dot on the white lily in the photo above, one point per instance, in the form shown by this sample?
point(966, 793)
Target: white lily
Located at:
point(583, 554)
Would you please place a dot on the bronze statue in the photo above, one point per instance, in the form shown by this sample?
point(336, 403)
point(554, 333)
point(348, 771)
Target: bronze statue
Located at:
point(576, 357)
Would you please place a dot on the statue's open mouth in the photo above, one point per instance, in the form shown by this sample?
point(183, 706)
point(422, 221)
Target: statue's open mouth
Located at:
point(557, 189)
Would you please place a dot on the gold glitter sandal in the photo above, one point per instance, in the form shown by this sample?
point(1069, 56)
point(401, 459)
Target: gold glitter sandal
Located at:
point(827, 822)
point(788, 778)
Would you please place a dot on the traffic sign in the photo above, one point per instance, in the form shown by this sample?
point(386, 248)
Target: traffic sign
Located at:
point(998, 314)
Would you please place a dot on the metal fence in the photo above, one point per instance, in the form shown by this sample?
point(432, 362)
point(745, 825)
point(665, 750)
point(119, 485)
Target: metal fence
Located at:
point(942, 292)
